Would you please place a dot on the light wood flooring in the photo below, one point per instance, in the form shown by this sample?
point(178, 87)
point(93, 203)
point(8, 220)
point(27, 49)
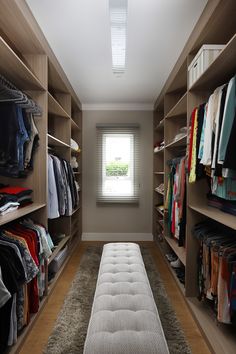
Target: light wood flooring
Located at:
point(38, 337)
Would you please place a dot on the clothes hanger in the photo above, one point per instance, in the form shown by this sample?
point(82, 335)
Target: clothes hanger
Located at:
point(9, 93)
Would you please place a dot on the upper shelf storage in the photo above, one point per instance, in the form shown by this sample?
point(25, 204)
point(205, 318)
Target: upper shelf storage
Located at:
point(179, 109)
point(55, 108)
point(215, 31)
point(55, 81)
point(214, 214)
point(16, 71)
point(220, 71)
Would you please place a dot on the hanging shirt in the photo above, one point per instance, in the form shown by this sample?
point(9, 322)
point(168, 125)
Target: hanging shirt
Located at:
point(228, 118)
point(53, 206)
point(192, 175)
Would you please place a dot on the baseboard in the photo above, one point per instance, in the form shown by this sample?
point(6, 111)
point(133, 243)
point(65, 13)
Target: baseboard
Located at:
point(94, 236)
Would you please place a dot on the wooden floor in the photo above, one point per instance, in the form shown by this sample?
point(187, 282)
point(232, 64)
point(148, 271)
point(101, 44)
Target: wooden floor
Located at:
point(38, 337)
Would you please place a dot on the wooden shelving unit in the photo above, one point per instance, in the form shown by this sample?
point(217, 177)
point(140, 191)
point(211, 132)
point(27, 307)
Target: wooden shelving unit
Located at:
point(74, 126)
point(29, 63)
point(179, 109)
point(56, 142)
point(55, 108)
point(215, 214)
point(13, 68)
point(58, 248)
point(221, 70)
point(176, 103)
point(19, 213)
point(179, 142)
point(179, 251)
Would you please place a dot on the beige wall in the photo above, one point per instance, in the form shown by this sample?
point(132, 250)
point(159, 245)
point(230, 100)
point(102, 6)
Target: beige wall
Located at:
point(114, 218)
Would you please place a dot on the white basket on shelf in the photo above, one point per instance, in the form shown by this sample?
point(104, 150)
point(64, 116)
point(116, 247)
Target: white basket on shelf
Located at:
point(202, 60)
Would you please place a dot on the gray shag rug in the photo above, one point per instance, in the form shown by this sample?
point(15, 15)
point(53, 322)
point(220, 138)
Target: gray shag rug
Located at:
point(69, 333)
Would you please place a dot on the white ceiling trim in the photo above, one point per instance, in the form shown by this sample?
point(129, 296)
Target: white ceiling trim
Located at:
point(117, 107)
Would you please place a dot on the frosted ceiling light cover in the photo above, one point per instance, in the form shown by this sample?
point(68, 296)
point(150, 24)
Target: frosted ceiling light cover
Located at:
point(118, 21)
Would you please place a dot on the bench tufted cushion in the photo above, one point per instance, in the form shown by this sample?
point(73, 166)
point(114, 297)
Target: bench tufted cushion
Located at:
point(124, 317)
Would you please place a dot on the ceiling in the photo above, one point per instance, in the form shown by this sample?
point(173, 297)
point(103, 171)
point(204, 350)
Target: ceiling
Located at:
point(78, 31)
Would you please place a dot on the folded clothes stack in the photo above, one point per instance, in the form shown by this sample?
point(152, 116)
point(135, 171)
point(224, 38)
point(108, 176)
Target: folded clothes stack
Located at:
point(11, 198)
point(228, 206)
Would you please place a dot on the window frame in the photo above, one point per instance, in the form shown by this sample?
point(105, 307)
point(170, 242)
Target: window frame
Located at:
point(104, 131)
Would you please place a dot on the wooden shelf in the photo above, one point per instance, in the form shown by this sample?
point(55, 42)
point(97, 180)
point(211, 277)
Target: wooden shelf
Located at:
point(60, 271)
point(180, 285)
point(160, 126)
point(59, 248)
point(74, 126)
point(159, 211)
point(220, 71)
point(179, 109)
point(75, 210)
point(159, 192)
point(179, 251)
point(13, 68)
point(75, 151)
point(56, 142)
point(55, 108)
point(220, 337)
point(55, 81)
point(4, 219)
point(74, 232)
point(179, 142)
point(159, 173)
point(215, 214)
point(159, 151)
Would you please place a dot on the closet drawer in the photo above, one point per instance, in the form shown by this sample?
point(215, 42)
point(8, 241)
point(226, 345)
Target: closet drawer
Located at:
point(202, 60)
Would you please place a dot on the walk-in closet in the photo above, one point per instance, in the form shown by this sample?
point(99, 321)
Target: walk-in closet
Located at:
point(117, 177)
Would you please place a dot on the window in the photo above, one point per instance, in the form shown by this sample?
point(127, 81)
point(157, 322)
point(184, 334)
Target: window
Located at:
point(118, 162)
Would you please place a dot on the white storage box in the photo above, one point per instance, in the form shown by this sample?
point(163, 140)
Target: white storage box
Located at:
point(202, 60)
point(57, 262)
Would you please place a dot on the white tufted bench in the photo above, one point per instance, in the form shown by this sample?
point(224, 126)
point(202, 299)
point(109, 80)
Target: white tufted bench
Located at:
point(124, 317)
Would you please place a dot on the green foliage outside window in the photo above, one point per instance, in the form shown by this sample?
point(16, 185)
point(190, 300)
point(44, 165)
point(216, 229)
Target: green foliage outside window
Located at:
point(116, 169)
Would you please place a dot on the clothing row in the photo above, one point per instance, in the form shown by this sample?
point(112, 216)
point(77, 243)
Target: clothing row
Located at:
point(217, 268)
point(19, 136)
point(13, 197)
point(63, 196)
point(212, 141)
point(175, 201)
point(24, 246)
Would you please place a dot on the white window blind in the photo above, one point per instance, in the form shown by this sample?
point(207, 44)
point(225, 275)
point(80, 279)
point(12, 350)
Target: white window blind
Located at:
point(118, 163)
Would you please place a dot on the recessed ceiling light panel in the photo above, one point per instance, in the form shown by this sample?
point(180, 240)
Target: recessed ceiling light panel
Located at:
point(118, 22)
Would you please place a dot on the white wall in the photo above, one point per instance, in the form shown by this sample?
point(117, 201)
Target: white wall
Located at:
point(115, 222)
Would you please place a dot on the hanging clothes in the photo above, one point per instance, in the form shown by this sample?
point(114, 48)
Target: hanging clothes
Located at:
point(63, 196)
point(24, 247)
point(212, 138)
point(176, 199)
point(217, 261)
point(19, 135)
